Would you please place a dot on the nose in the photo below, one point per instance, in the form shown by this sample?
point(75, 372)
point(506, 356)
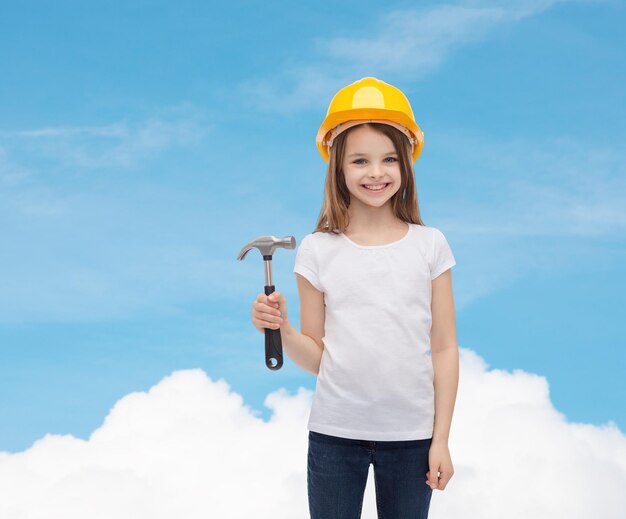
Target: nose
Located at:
point(376, 172)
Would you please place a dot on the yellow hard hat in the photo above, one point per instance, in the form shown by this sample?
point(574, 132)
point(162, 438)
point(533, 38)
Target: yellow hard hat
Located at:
point(369, 100)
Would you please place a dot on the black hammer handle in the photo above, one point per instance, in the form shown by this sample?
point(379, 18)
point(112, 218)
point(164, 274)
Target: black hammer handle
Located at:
point(273, 342)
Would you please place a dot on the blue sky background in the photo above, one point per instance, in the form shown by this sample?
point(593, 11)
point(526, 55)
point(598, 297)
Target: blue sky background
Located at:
point(142, 144)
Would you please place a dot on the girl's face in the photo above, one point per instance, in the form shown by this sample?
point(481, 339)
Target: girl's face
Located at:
point(370, 158)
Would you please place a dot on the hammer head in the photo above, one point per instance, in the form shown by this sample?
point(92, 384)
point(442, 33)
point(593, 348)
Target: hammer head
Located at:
point(267, 245)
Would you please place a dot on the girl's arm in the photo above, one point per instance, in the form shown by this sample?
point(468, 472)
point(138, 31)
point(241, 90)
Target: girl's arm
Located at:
point(445, 354)
point(306, 348)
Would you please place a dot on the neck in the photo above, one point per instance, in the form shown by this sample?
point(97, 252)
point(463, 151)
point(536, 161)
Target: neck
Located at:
point(371, 219)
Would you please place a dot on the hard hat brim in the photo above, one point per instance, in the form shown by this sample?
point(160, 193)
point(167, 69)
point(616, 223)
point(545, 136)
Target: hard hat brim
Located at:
point(364, 114)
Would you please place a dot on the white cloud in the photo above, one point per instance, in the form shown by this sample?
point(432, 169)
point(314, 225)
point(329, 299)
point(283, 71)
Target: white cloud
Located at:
point(89, 256)
point(52, 223)
point(111, 130)
point(532, 188)
point(190, 447)
point(10, 174)
point(516, 207)
point(404, 43)
point(415, 41)
point(118, 145)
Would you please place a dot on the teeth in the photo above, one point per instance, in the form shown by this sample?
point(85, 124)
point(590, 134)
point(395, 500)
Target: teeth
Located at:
point(375, 187)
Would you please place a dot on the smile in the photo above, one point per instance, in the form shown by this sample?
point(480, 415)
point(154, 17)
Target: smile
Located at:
point(376, 188)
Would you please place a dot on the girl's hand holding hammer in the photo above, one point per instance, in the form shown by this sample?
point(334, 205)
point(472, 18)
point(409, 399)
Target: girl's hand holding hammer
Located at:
point(269, 311)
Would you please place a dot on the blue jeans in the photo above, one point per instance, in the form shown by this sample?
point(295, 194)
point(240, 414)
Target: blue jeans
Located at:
point(337, 470)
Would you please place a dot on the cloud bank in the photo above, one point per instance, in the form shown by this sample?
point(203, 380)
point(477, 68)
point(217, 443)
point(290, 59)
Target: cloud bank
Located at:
point(190, 447)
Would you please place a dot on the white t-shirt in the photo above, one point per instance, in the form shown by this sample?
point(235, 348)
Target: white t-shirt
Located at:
point(375, 380)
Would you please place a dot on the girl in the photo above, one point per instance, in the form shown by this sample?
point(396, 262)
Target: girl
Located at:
point(376, 315)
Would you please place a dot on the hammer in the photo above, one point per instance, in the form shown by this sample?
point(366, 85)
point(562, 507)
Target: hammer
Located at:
point(266, 246)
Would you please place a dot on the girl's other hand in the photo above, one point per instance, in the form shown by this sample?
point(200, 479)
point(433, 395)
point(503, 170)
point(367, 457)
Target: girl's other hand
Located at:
point(439, 461)
point(269, 311)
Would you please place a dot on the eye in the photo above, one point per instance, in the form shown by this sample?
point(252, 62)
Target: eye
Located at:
point(356, 161)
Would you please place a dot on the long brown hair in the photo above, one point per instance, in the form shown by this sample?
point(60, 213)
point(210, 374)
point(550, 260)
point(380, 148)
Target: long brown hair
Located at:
point(334, 215)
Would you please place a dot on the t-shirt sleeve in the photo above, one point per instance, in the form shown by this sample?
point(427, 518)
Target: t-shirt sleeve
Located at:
point(442, 257)
point(306, 262)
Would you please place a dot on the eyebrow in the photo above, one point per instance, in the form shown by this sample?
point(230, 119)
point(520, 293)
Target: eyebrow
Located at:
point(365, 154)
